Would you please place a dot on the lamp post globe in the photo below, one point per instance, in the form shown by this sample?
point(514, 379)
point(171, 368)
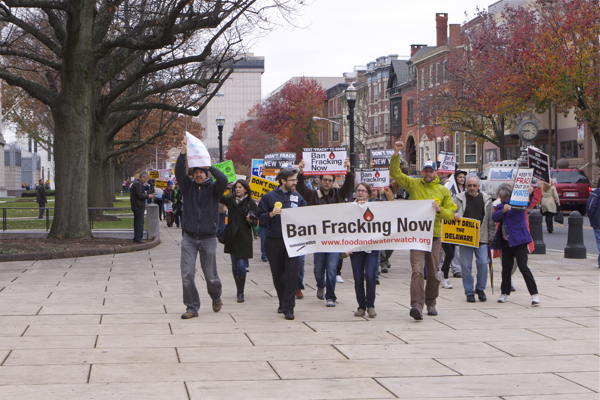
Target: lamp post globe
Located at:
point(220, 123)
point(351, 98)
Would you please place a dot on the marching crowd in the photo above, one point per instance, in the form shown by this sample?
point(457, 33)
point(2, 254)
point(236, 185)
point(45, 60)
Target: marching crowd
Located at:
point(193, 205)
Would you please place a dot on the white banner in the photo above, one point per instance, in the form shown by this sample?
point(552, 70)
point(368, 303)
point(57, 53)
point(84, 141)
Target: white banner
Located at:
point(324, 161)
point(520, 194)
point(378, 225)
point(165, 174)
point(447, 161)
point(376, 177)
point(197, 155)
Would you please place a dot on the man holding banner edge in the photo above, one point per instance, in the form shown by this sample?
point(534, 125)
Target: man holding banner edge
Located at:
point(427, 187)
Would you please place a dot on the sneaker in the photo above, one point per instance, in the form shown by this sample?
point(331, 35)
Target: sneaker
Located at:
point(471, 298)
point(299, 294)
point(446, 284)
point(440, 275)
point(535, 300)
point(188, 315)
point(416, 314)
point(481, 295)
point(371, 311)
point(330, 303)
point(264, 259)
point(431, 310)
point(457, 275)
point(338, 279)
point(360, 312)
point(321, 293)
point(503, 298)
point(384, 270)
point(217, 304)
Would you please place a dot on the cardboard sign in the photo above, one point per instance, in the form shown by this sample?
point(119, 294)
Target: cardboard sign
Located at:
point(154, 175)
point(160, 184)
point(381, 158)
point(376, 177)
point(227, 168)
point(197, 154)
point(168, 207)
point(464, 232)
point(540, 162)
point(324, 161)
point(257, 167)
point(259, 187)
point(520, 195)
point(165, 174)
point(379, 225)
point(272, 163)
point(451, 185)
point(447, 161)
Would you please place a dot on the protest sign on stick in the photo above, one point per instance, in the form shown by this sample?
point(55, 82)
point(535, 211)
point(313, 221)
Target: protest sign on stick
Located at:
point(154, 175)
point(272, 163)
point(465, 232)
point(520, 194)
point(376, 177)
point(161, 184)
point(539, 161)
point(196, 152)
point(259, 187)
point(447, 162)
point(324, 161)
point(227, 168)
point(381, 158)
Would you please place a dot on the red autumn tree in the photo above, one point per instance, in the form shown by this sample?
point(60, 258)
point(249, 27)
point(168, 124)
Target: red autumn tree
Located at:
point(250, 142)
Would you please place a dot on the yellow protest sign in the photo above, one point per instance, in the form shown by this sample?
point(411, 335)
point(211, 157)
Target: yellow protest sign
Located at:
point(465, 232)
point(161, 184)
point(259, 187)
point(154, 175)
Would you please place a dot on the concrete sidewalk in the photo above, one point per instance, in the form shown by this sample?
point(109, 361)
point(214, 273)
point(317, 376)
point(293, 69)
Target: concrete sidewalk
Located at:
point(109, 327)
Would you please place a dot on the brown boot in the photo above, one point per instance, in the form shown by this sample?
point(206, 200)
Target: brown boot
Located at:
point(299, 294)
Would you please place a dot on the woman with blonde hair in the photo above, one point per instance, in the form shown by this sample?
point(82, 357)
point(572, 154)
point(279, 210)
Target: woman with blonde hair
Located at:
point(550, 204)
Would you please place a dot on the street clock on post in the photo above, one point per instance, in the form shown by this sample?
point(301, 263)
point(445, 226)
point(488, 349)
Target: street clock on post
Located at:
point(528, 131)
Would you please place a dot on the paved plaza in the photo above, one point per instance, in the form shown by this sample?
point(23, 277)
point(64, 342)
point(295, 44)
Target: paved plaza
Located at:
point(109, 327)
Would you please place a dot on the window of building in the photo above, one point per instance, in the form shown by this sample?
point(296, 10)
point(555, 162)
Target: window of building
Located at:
point(457, 146)
point(376, 92)
point(335, 132)
point(7, 158)
point(440, 73)
point(29, 145)
point(376, 125)
point(410, 112)
point(422, 78)
point(385, 123)
point(17, 159)
point(470, 151)
point(512, 153)
point(491, 155)
point(422, 112)
point(431, 75)
point(569, 149)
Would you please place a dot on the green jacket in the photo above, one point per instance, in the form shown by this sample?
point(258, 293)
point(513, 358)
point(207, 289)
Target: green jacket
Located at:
point(418, 189)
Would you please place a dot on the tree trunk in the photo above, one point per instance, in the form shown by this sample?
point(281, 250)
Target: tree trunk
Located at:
point(72, 114)
point(500, 139)
point(101, 190)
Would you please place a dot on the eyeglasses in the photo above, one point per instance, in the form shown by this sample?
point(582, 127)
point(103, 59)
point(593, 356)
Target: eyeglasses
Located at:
point(361, 191)
point(327, 180)
point(473, 185)
point(291, 180)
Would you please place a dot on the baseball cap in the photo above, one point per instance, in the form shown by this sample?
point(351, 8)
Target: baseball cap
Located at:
point(429, 164)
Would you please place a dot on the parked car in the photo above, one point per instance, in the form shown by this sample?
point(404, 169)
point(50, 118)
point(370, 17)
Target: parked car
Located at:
point(573, 188)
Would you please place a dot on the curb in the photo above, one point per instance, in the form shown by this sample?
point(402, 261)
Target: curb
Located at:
point(46, 255)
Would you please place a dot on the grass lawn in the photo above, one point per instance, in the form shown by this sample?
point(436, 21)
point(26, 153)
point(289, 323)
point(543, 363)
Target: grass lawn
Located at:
point(125, 223)
point(34, 208)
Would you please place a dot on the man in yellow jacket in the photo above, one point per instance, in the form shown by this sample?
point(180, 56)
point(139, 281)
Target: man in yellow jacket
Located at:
point(425, 188)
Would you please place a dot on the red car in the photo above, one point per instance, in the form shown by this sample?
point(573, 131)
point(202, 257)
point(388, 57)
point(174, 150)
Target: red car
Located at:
point(573, 188)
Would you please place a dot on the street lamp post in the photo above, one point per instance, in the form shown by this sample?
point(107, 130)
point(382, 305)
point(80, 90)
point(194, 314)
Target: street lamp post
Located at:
point(220, 123)
point(351, 98)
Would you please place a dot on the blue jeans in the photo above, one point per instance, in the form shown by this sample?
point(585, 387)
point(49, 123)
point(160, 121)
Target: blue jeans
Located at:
point(190, 248)
point(238, 265)
point(597, 235)
point(222, 224)
point(325, 272)
point(466, 263)
point(300, 273)
point(262, 232)
point(364, 266)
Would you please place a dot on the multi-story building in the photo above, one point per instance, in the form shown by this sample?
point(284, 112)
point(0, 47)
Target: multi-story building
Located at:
point(236, 97)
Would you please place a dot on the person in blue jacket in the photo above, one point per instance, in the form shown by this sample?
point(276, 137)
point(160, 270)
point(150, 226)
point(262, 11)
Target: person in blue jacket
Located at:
point(512, 237)
point(592, 209)
point(283, 267)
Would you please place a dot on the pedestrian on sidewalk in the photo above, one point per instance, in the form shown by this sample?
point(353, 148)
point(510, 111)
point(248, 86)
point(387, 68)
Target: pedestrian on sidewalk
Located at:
point(326, 264)
point(238, 243)
point(201, 194)
point(158, 200)
point(550, 204)
point(476, 205)
point(512, 238)
point(137, 198)
point(283, 268)
point(177, 204)
point(451, 251)
point(364, 266)
point(168, 204)
point(40, 197)
point(425, 188)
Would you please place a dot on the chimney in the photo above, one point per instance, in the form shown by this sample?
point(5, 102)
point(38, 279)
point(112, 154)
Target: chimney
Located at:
point(414, 48)
point(441, 27)
point(454, 35)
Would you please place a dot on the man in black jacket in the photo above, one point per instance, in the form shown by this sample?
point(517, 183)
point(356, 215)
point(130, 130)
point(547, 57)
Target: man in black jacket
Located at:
point(137, 198)
point(201, 195)
point(40, 197)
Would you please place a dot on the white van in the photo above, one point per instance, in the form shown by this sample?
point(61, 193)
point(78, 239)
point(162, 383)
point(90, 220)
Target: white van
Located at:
point(498, 172)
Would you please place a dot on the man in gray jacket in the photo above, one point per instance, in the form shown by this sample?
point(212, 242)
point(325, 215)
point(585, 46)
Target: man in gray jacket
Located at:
point(201, 195)
point(475, 205)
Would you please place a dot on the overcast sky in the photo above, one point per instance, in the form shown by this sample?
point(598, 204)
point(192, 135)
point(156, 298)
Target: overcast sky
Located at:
point(340, 34)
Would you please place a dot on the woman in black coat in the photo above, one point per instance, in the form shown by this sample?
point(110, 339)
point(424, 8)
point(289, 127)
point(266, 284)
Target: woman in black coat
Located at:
point(242, 217)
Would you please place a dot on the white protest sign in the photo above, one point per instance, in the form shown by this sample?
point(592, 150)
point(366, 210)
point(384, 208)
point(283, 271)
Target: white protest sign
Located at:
point(447, 161)
point(324, 161)
point(451, 185)
point(520, 194)
point(380, 225)
point(197, 154)
point(165, 174)
point(376, 177)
